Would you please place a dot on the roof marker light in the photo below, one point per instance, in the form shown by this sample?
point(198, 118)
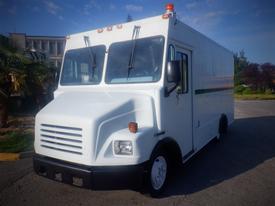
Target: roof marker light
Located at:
point(109, 28)
point(119, 26)
point(166, 16)
point(99, 30)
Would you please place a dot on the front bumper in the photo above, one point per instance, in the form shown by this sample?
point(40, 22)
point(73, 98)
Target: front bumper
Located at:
point(97, 177)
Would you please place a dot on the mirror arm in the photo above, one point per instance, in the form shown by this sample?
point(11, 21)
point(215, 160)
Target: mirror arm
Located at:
point(167, 91)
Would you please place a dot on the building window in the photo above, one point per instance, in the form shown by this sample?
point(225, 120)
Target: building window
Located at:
point(35, 45)
point(59, 48)
point(52, 45)
point(43, 45)
point(28, 44)
point(52, 63)
point(59, 64)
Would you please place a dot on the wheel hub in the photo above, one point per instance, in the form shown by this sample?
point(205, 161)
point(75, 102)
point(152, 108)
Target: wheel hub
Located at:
point(158, 172)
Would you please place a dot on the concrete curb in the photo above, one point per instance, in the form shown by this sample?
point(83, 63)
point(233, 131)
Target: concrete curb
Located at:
point(9, 156)
point(15, 156)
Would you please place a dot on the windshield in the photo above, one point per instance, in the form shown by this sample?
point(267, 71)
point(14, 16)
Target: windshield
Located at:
point(146, 61)
point(79, 67)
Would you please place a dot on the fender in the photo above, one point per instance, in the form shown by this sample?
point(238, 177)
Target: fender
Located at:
point(171, 146)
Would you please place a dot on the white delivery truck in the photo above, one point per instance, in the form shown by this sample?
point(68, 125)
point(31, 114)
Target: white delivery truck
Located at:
point(132, 99)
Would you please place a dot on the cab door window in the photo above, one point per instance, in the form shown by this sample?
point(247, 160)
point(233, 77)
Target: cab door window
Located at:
point(183, 58)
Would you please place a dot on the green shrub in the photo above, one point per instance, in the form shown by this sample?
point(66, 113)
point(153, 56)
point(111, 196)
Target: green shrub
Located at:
point(268, 91)
point(259, 91)
point(248, 90)
point(17, 142)
point(239, 89)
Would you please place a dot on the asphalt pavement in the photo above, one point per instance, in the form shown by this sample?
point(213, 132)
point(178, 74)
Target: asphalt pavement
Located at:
point(239, 170)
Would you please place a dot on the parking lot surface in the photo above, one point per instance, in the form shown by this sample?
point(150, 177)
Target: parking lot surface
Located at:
point(239, 170)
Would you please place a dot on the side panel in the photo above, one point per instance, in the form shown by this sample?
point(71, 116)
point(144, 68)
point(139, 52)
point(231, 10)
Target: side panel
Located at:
point(212, 67)
point(177, 107)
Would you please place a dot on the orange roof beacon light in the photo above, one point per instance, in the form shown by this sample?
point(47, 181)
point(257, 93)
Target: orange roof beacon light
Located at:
point(169, 7)
point(169, 11)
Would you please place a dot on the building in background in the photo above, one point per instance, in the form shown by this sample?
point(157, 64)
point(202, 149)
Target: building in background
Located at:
point(40, 48)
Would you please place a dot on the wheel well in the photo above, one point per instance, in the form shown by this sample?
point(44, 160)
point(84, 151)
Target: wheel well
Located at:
point(171, 147)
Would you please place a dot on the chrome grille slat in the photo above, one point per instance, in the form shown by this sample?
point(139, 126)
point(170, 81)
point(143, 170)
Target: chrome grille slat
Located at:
point(61, 138)
point(64, 133)
point(61, 127)
point(61, 144)
point(63, 150)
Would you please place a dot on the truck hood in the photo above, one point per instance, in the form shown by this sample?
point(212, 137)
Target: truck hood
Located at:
point(78, 124)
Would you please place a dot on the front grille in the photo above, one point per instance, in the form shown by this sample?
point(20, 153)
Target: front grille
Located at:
point(61, 138)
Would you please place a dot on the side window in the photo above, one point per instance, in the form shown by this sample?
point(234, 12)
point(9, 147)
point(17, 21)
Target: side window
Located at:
point(183, 58)
point(171, 53)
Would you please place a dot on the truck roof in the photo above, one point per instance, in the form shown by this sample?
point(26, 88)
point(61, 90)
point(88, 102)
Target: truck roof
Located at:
point(150, 26)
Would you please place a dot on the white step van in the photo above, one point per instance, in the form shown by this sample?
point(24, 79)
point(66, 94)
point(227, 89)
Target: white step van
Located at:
point(132, 99)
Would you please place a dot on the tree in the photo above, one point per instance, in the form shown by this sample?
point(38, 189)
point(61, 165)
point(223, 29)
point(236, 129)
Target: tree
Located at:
point(12, 77)
point(240, 62)
point(268, 76)
point(260, 78)
point(42, 83)
point(251, 76)
point(3, 109)
point(23, 77)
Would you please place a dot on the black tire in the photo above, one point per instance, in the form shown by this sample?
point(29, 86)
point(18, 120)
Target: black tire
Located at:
point(223, 125)
point(154, 190)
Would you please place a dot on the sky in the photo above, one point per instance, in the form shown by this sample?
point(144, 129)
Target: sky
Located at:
point(247, 25)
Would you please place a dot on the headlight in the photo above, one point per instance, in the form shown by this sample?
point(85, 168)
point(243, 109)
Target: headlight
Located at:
point(123, 147)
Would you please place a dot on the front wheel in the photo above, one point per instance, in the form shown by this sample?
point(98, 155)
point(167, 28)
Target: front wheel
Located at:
point(158, 172)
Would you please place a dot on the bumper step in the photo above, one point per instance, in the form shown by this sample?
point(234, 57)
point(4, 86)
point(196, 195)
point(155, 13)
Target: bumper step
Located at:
point(104, 177)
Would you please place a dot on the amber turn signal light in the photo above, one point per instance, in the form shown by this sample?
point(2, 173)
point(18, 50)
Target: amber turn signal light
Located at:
point(133, 127)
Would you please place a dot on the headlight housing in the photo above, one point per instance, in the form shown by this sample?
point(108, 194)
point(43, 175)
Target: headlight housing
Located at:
point(122, 147)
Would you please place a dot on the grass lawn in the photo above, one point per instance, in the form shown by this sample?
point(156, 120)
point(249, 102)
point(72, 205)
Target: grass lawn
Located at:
point(255, 96)
point(16, 141)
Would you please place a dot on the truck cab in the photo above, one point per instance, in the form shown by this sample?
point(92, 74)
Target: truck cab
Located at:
point(124, 106)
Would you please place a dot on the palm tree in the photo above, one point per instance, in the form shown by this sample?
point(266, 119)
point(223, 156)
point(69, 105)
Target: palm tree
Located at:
point(21, 76)
point(42, 82)
point(4, 80)
point(3, 109)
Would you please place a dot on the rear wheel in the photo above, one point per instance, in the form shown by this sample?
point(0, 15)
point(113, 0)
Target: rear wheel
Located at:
point(158, 172)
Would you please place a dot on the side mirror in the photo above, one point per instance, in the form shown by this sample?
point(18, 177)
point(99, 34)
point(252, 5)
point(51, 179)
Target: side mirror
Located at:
point(173, 76)
point(173, 71)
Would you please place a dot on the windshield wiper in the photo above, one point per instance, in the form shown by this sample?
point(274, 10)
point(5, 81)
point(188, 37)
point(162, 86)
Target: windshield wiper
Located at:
point(92, 55)
point(131, 59)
